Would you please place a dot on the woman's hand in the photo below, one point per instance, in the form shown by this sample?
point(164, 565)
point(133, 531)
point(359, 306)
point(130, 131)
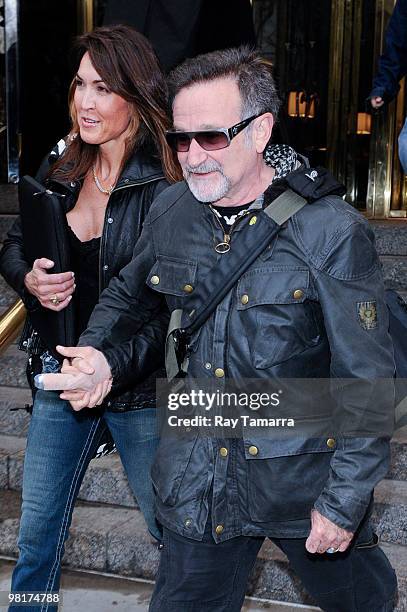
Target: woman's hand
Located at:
point(53, 291)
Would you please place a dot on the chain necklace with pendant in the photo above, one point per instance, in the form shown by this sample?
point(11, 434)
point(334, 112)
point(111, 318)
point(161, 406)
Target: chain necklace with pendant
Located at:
point(98, 184)
point(224, 246)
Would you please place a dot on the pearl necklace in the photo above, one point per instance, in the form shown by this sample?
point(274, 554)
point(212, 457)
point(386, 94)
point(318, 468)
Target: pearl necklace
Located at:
point(99, 185)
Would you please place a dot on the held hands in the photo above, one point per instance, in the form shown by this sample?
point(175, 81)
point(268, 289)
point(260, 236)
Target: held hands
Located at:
point(53, 291)
point(325, 536)
point(85, 378)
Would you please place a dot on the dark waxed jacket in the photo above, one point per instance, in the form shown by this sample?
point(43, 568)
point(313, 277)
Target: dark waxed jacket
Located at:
point(326, 251)
point(392, 65)
point(140, 182)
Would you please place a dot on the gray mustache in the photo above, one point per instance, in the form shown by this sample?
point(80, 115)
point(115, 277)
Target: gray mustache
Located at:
point(203, 168)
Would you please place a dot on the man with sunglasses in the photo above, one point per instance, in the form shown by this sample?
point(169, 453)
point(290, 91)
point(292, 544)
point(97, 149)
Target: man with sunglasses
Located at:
point(309, 306)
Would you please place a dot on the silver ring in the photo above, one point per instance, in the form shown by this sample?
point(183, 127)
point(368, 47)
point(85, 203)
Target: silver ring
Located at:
point(331, 550)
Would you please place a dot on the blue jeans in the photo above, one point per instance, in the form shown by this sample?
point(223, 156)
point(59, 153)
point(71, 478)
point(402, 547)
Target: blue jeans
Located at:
point(209, 577)
point(403, 147)
point(60, 445)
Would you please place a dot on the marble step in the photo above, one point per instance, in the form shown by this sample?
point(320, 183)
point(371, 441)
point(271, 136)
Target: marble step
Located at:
point(12, 367)
point(391, 236)
point(111, 539)
point(7, 295)
point(394, 271)
point(105, 480)
point(14, 420)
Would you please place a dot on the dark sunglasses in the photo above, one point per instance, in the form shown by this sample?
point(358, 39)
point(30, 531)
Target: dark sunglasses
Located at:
point(210, 140)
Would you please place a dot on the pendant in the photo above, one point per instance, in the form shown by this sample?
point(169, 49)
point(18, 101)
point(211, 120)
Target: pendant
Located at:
point(222, 247)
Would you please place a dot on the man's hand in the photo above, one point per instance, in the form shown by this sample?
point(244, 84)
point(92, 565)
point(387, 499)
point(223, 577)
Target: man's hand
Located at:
point(53, 291)
point(85, 381)
point(376, 102)
point(326, 535)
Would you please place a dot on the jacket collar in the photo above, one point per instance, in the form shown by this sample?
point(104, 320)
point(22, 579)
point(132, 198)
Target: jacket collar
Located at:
point(140, 168)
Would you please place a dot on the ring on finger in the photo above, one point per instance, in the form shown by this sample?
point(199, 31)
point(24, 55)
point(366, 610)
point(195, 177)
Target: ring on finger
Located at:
point(332, 550)
point(54, 299)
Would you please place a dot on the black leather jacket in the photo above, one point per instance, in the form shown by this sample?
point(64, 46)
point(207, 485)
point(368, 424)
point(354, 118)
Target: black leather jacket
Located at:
point(141, 181)
point(300, 319)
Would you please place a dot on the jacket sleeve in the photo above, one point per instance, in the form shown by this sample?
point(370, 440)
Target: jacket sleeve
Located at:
point(13, 265)
point(351, 293)
point(392, 65)
point(129, 322)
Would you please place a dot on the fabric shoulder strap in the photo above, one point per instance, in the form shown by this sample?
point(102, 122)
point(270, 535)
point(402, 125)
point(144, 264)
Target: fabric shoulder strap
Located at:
point(285, 206)
point(224, 275)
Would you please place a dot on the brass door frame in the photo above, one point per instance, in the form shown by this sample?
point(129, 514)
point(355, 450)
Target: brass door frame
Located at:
point(86, 15)
point(344, 70)
point(387, 191)
point(386, 195)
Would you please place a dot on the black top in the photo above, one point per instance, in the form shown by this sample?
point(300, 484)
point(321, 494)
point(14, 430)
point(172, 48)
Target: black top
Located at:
point(228, 214)
point(85, 264)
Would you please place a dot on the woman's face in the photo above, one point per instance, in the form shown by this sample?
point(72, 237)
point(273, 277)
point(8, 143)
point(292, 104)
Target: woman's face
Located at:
point(102, 115)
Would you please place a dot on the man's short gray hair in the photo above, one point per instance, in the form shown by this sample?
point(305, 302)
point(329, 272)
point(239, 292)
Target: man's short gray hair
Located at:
point(252, 72)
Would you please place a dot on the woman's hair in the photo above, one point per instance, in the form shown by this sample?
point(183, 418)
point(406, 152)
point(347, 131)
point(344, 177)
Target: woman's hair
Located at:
point(126, 62)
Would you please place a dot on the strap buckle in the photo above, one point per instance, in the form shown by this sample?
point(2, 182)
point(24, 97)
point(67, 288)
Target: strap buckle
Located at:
point(181, 345)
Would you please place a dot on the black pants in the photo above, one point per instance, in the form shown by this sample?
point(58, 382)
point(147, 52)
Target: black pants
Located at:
point(208, 577)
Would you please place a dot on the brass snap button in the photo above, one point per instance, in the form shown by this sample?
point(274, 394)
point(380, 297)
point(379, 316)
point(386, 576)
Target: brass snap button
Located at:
point(331, 442)
point(223, 452)
point(155, 280)
point(253, 450)
point(188, 288)
point(219, 529)
point(245, 299)
point(219, 373)
point(298, 293)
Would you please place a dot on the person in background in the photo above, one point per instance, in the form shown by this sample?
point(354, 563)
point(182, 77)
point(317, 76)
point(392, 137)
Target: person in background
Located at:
point(179, 29)
point(392, 67)
point(110, 168)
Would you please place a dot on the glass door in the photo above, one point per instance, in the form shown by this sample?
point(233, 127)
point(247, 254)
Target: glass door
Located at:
point(325, 56)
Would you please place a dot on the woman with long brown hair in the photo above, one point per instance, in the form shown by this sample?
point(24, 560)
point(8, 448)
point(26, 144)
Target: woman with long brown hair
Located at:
point(109, 170)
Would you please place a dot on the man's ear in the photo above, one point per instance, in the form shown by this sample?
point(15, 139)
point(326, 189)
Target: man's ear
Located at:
point(262, 131)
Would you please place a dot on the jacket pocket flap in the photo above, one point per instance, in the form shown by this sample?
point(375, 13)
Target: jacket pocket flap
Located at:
point(262, 448)
point(265, 285)
point(172, 276)
point(169, 467)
